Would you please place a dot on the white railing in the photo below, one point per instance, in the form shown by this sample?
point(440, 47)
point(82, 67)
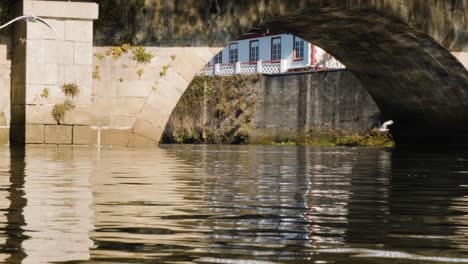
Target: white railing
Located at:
point(266, 67)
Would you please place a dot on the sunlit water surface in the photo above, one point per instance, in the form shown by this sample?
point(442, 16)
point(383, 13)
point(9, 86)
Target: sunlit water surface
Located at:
point(232, 204)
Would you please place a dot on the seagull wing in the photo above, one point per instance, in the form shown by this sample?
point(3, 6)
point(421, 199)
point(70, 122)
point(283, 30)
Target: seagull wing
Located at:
point(45, 23)
point(14, 20)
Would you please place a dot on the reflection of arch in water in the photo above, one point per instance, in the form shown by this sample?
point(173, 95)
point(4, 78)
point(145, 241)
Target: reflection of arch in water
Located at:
point(426, 195)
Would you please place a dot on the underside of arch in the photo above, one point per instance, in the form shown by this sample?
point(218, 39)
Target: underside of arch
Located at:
point(413, 79)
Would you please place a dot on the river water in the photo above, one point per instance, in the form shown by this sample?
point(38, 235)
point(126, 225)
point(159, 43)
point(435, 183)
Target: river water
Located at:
point(232, 204)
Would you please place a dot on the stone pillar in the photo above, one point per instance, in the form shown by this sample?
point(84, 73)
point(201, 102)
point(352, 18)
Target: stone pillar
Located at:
point(49, 61)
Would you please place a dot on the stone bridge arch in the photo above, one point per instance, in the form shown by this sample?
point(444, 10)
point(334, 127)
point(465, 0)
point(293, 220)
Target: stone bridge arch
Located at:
point(402, 51)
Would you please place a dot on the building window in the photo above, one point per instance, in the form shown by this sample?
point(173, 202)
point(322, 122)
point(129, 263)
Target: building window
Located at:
point(254, 51)
point(298, 49)
point(218, 58)
point(276, 49)
point(233, 53)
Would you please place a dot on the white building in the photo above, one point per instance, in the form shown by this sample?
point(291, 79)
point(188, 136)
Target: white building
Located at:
point(259, 53)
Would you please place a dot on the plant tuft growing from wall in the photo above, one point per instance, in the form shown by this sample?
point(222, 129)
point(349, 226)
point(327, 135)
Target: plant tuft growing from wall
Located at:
point(141, 55)
point(70, 89)
point(59, 110)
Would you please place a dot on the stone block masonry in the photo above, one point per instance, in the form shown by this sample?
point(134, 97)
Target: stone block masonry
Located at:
point(288, 105)
point(44, 62)
point(117, 93)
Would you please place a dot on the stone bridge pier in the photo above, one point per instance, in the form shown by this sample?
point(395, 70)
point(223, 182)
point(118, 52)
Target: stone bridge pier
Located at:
point(411, 56)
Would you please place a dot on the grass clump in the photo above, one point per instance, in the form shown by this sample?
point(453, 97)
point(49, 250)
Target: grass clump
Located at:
point(139, 73)
point(45, 93)
point(70, 89)
point(164, 71)
point(115, 52)
point(99, 55)
point(126, 47)
point(330, 138)
point(96, 73)
point(59, 110)
point(141, 55)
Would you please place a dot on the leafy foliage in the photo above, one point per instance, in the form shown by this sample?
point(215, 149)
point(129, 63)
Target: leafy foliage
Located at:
point(70, 89)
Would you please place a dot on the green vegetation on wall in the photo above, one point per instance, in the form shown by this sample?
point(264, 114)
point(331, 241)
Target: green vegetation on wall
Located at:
point(215, 110)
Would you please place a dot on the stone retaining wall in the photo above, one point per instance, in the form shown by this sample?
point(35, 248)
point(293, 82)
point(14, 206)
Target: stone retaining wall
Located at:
point(331, 101)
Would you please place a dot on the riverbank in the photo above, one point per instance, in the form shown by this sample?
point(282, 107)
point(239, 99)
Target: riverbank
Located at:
point(311, 109)
point(372, 138)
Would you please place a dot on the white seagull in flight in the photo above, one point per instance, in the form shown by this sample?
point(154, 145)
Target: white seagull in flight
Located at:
point(384, 127)
point(31, 18)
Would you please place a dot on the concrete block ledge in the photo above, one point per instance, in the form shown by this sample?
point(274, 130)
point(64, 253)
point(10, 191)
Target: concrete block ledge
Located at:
point(56, 9)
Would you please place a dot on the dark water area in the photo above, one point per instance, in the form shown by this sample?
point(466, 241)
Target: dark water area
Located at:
point(232, 204)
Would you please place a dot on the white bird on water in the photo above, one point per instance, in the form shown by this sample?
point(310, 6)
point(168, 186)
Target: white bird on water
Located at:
point(30, 18)
point(384, 126)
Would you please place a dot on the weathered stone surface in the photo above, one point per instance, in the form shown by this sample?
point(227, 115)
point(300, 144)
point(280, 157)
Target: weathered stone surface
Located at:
point(58, 134)
point(39, 31)
point(135, 88)
point(141, 142)
point(42, 74)
point(34, 134)
point(147, 130)
point(80, 74)
point(35, 51)
point(84, 135)
point(58, 52)
point(325, 101)
point(115, 137)
point(83, 53)
point(39, 114)
point(106, 89)
point(79, 116)
point(123, 121)
point(78, 30)
point(3, 121)
point(111, 106)
point(61, 9)
point(4, 136)
point(134, 105)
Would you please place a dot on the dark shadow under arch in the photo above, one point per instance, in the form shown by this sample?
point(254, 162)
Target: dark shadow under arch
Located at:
point(414, 80)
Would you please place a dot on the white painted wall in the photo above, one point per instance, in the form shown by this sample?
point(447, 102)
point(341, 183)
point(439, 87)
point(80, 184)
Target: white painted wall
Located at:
point(287, 47)
point(287, 53)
